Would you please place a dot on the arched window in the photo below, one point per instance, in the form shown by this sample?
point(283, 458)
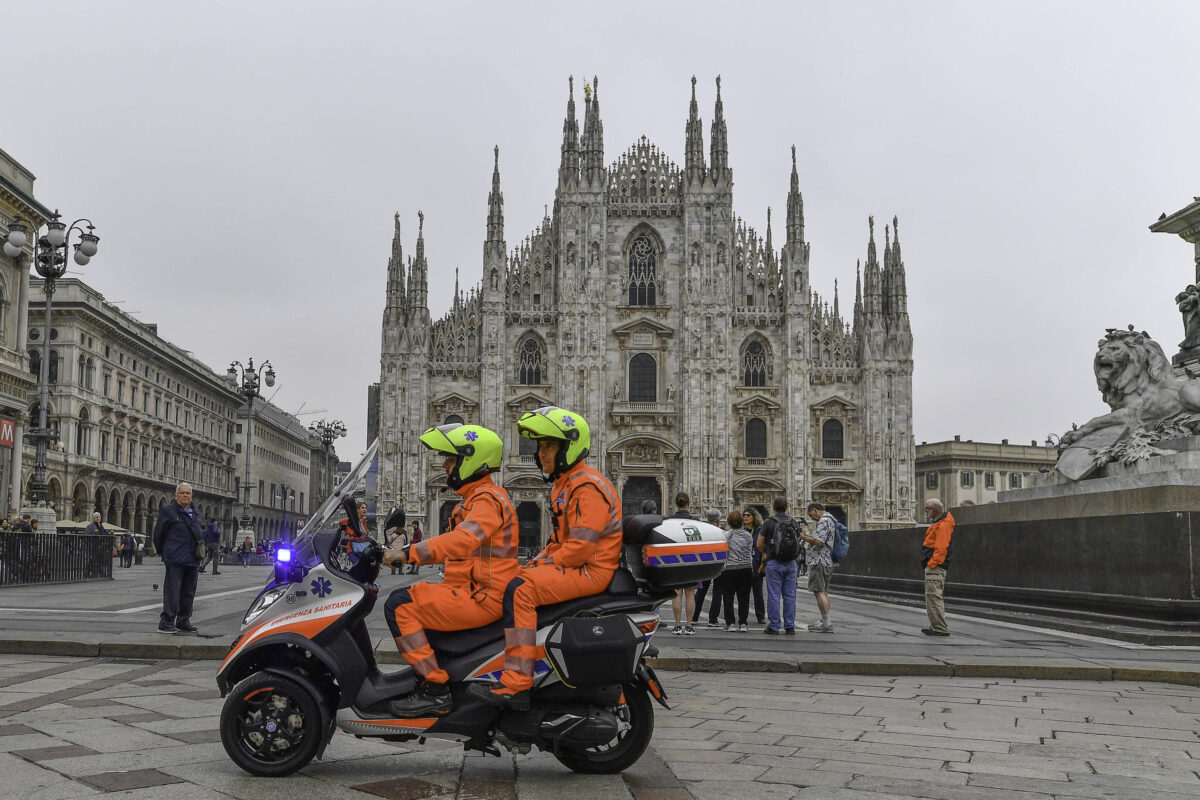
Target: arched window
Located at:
point(643, 285)
point(35, 362)
point(643, 379)
point(529, 364)
point(53, 371)
point(756, 438)
point(81, 433)
point(754, 364)
point(453, 419)
point(831, 439)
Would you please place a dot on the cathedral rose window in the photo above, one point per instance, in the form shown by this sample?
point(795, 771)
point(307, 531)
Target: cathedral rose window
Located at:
point(643, 286)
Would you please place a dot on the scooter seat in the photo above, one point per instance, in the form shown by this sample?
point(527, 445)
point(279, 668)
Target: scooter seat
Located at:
point(458, 643)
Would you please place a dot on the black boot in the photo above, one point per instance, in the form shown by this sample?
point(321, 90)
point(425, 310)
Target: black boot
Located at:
point(500, 696)
point(429, 699)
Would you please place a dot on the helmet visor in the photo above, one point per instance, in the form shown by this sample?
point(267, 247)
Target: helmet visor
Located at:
point(535, 425)
point(436, 439)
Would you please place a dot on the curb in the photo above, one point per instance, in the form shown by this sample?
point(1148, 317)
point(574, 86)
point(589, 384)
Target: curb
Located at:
point(897, 666)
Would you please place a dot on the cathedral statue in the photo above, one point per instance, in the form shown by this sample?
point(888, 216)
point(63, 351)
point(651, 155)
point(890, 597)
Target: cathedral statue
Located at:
point(1188, 302)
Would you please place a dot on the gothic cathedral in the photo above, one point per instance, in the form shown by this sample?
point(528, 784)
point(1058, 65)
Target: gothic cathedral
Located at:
point(696, 351)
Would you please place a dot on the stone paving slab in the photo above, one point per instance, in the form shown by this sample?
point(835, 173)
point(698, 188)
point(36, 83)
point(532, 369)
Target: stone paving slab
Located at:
point(729, 735)
point(870, 637)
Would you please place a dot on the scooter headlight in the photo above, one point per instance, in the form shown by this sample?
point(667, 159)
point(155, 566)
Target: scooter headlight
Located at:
point(262, 603)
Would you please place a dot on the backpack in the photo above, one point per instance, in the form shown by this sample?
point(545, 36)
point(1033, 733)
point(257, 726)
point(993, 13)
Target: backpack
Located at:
point(841, 542)
point(785, 543)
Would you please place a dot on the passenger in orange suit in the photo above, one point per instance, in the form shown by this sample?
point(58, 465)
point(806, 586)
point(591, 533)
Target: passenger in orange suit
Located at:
point(480, 551)
point(580, 560)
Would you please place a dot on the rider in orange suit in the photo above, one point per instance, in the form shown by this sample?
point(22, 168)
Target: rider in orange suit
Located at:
point(480, 551)
point(580, 559)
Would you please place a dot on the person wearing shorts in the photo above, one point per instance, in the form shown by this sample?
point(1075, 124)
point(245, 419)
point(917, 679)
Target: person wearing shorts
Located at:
point(818, 554)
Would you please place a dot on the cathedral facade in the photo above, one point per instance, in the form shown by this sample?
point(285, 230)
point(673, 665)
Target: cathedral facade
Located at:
point(696, 351)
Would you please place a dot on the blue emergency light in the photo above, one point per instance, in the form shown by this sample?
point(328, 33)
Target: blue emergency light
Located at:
point(283, 555)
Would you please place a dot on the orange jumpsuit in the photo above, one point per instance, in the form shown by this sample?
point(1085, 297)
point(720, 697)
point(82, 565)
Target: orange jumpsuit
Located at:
point(480, 551)
point(580, 560)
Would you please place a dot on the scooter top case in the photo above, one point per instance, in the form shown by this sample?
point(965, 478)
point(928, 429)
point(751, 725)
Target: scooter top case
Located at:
point(670, 553)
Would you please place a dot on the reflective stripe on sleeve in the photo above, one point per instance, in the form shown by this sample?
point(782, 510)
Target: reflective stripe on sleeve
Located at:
point(422, 550)
point(473, 528)
point(584, 534)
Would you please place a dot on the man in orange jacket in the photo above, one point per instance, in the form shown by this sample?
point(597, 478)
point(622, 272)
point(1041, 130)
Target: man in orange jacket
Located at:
point(480, 551)
point(935, 555)
point(579, 560)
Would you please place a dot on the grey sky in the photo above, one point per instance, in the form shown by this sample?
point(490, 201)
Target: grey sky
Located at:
point(242, 162)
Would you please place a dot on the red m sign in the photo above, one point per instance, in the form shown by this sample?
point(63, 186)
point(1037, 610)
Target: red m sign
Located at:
point(7, 427)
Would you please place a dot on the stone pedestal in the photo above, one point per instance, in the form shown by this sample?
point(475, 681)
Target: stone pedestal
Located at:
point(47, 520)
point(1117, 551)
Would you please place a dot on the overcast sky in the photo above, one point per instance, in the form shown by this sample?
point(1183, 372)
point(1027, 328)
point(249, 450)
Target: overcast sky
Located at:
point(242, 162)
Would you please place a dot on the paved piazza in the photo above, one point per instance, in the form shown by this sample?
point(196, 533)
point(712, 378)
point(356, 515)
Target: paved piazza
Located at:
point(76, 727)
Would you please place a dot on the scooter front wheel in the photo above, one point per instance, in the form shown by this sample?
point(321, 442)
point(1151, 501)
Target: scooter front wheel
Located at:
point(636, 726)
point(270, 726)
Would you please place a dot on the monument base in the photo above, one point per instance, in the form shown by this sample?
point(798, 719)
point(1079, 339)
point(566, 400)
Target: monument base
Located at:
point(1118, 554)
point(47, 520)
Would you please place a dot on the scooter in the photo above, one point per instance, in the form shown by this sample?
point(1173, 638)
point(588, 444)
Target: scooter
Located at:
point(303, 666)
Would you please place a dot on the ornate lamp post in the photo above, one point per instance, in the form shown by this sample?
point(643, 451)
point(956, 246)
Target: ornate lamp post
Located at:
point(248, 379)
point(285, 494)
point(328, 431)
point(50, 245)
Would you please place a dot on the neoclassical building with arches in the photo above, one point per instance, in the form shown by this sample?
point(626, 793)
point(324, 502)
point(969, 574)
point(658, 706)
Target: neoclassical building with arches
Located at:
point(133, 415)
point(696, 349)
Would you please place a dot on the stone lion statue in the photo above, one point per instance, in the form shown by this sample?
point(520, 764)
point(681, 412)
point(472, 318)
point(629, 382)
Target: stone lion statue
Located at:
point(1148, 401)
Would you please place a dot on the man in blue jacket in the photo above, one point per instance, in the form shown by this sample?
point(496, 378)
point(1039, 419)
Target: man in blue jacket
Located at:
point(179, 537)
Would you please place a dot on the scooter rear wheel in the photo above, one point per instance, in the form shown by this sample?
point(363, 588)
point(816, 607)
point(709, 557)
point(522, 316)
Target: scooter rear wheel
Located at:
point(633, 736)
point(270, 726)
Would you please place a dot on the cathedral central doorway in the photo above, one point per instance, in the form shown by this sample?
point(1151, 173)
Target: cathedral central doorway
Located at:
point(637, 490)
point(529, 528)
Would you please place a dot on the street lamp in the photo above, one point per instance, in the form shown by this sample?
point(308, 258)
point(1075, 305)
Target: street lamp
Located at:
point(285, 494)
point(328, 431)
point(247, 379)
point(50, 246)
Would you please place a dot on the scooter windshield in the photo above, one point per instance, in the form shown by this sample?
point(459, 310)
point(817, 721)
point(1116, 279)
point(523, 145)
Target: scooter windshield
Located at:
point(359, 484)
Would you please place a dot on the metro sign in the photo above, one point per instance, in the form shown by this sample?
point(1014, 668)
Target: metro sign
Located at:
point(7, 431)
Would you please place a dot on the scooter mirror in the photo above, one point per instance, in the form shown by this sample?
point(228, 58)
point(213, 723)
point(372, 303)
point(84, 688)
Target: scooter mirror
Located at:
point(395, 519)
point(351, 509)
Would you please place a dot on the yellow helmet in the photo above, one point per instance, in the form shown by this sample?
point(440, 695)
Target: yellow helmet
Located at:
point(478, 450)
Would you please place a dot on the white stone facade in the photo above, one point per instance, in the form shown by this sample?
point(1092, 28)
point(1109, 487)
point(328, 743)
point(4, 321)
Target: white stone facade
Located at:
point(135, 415)
point(696, 351)
point(16, 200)
point(281, 462)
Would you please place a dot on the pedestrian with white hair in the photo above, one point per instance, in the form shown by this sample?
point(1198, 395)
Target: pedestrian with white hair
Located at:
point(179, 537)
point(935, 556)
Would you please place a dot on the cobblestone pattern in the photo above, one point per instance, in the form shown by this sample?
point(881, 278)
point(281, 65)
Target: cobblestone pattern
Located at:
point(72, 727)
